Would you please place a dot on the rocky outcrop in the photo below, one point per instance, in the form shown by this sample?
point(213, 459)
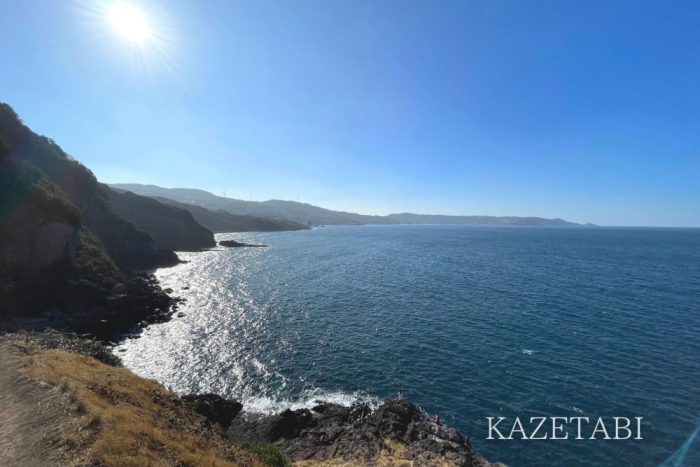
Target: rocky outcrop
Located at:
point(214, 408)
point(397, 429)
point(235, 244)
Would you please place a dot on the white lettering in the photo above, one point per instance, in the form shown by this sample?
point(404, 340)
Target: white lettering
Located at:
point(558, 428)
point(599, 426)
point(492, 428)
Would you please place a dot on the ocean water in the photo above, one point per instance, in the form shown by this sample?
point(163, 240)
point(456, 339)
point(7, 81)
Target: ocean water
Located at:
point(466, 322)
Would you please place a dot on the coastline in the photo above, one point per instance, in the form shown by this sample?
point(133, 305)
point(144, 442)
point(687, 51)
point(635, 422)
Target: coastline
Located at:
point(395, 433)
point(390, 432)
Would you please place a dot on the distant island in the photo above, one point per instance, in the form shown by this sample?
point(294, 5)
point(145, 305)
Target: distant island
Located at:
point(202, 203)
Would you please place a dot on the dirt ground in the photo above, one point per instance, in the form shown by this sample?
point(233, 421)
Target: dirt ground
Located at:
point(31, 413)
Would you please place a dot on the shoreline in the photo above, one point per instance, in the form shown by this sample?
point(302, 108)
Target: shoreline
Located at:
point(393, 433)
point(318, 430)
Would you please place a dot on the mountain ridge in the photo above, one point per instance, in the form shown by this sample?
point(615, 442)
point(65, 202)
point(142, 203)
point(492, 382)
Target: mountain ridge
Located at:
point(310, 215)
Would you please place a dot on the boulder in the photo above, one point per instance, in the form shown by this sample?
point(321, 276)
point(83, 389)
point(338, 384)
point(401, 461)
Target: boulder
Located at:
point(214, 408)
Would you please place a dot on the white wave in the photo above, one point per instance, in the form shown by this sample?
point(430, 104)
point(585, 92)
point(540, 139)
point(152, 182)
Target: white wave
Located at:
point(307, 400)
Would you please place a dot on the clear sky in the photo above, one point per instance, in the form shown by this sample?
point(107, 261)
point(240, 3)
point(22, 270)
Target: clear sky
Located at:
point(587, 110)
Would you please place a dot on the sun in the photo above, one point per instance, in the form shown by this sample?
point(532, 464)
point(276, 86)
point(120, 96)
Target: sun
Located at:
point(129, 21)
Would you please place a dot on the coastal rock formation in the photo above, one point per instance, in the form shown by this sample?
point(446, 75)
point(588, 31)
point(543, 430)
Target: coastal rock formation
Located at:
point(396, 431)
point(235, 244)
point(63, 249)
point(214, 408)
point(126, 244)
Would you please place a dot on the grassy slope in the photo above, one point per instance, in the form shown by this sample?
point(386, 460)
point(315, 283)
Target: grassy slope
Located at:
point(126, 420)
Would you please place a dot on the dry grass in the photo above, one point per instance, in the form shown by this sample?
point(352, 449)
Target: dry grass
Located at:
point(124, 420)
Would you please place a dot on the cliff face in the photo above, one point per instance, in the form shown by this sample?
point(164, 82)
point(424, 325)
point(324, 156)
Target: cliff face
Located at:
point(126, 244)
point(63, 247)
point(171, 228)
point(47, 257)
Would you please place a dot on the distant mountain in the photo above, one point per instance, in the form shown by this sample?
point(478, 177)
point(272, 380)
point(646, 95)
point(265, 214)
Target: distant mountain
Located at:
point(222, 221)
point(292, 211)
point(307, 214)
point(409, 218)
point(171, 227)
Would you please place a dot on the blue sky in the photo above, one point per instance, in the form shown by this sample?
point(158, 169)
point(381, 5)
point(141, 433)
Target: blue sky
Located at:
point(584, 110)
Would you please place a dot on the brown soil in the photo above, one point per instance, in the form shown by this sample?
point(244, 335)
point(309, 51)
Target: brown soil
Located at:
point(31, 413)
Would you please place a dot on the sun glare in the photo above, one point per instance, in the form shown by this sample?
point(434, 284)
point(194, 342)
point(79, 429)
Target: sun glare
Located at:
point(129, 21)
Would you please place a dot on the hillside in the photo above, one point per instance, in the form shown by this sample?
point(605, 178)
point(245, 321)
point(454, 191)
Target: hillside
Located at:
point(222, 221)
point(292, 211)
point(309, 215)
point(61, 407)
point(408, 218)
point(63, 246)
point(129, 246)
point(45, 247)
point(171, 227)
point(66, 400)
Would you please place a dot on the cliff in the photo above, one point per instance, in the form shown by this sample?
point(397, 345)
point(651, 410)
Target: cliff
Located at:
point(171, 227)
point(64, 249)
point(47, 256)
point(126, 244)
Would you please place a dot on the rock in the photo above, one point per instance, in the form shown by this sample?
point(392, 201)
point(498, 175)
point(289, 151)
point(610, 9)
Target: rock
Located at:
point(234, 244)
point(119, 290)
point(214, 408)
point(358, 435)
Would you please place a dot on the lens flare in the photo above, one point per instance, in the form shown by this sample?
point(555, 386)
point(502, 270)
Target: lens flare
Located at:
point(129, 21)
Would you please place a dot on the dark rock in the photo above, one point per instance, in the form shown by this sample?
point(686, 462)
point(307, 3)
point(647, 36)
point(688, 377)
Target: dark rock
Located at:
point(357, 434)
point(234, 244)
point(214, 408)
point(82, 344)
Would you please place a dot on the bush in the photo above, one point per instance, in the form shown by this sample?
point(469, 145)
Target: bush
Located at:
point(269, 454)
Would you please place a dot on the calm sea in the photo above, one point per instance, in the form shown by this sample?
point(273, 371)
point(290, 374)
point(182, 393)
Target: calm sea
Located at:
point(465, 322)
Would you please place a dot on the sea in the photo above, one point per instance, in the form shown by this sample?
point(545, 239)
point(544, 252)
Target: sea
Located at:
point(466, 322)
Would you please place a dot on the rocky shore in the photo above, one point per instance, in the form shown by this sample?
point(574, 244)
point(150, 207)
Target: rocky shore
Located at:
point(397, 433)
point(137, 301)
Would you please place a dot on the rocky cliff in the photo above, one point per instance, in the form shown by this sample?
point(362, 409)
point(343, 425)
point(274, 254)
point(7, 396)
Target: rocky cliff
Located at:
point(47, 256)
point(63, 247)
point(127, 245)
point(171, 227)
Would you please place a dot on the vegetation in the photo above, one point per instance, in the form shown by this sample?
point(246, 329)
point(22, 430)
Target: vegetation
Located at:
point(124, 420)
point(268, 453)
point(128, 245)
